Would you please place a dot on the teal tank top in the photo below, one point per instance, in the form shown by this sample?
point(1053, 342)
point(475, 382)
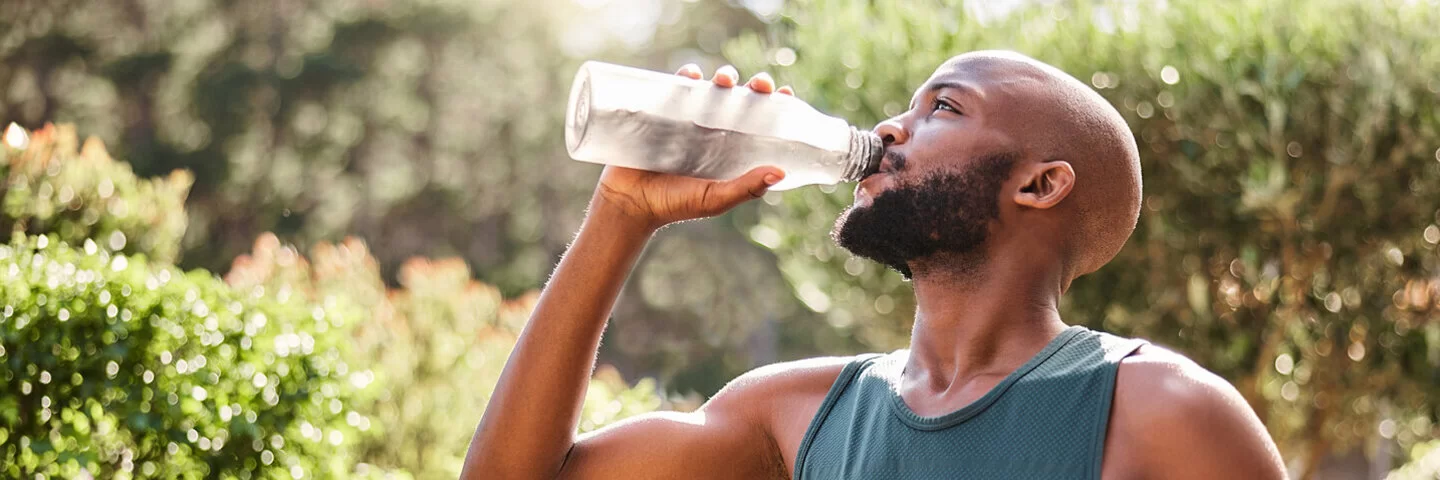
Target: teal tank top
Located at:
point(1046, 420)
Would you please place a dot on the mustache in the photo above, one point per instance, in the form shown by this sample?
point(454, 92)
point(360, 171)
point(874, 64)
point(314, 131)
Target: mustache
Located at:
point(896, 159)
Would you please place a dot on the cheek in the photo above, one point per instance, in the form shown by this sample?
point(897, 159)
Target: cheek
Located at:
point(953, 140)
point(936, 152)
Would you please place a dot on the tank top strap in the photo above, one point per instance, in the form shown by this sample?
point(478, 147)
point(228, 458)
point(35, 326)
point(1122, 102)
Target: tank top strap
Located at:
point(842, 382)
point(1114, 349)
point(1117, 348)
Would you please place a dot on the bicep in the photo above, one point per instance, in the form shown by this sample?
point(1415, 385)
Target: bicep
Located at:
point(703, 444)
point(732, 436)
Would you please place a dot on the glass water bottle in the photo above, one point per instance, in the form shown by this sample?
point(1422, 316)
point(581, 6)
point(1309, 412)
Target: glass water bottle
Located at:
point(669, 123)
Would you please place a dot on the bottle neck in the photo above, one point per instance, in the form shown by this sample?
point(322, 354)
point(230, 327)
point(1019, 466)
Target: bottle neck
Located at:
point(866, 151)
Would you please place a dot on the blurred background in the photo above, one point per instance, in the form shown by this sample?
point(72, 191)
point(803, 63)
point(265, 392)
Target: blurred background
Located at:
point(291, 238)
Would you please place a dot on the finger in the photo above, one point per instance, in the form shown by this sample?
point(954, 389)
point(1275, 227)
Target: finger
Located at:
point(786, 90)
point(761, 82)
point(723, 196)
point(689, 70)
point(726, 76)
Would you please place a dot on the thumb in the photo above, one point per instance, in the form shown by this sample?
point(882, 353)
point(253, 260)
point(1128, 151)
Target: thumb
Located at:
point(753, 184)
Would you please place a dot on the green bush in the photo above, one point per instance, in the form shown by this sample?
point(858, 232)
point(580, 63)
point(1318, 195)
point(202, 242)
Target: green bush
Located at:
point(77, 193)
point(1292, 194)
point(125, 369)
point(436, 346)
point(122, 366)
point(145, 355)
point(115, 363)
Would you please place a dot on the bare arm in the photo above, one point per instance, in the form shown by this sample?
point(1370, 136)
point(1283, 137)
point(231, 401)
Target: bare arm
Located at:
point(747, 430)
point(529, 425)
point(1184, 422)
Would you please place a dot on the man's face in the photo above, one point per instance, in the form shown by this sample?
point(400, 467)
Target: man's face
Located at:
point(939, 187)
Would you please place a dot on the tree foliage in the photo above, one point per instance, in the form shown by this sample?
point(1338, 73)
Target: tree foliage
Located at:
point(427, 127)
point(415, 125)
point(1292, 191)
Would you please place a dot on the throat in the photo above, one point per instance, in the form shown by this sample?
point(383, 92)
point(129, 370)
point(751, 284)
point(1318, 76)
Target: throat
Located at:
point(931, 383)
point(929, 399)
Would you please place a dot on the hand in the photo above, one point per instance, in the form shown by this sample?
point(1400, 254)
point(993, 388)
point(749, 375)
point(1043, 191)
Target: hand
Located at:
point(657, 199)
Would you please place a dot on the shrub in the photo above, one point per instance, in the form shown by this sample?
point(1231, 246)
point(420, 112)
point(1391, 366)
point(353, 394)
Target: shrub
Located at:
point(76, 193)
point(123, 368)
point(117, 364)
point(436, 346)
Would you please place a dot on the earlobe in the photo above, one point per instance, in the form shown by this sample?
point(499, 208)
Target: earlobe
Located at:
point(1049, 183)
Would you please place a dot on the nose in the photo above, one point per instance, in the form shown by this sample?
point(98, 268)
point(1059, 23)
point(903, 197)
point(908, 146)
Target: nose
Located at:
point(892, 131)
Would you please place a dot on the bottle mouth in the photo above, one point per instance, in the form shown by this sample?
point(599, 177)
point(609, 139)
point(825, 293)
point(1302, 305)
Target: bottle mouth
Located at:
point(866, 152)
point(577, 115)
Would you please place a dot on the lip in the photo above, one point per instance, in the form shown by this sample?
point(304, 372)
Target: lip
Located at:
point(872, 185)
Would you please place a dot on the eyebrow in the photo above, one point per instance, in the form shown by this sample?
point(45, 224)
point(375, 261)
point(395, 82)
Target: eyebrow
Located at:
point(964, 89)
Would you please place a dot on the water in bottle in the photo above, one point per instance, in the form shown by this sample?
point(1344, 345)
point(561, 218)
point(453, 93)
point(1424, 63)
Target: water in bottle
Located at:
point(668, 123)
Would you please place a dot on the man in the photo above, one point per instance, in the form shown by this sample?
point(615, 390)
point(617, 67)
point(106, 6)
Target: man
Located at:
point(1004, 181)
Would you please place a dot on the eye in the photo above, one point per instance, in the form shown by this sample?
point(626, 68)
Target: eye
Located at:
point(941, 104)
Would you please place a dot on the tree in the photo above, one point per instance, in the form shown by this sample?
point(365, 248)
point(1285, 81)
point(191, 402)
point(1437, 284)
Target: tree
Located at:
point(1292, 190)
point(429, 128)
point(421, 126)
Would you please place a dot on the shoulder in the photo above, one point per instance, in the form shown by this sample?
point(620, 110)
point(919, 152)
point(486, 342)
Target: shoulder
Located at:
point(781, 399)
point(781, 396)
point(1162, 381)
point(782, 380)
point(1170, 409)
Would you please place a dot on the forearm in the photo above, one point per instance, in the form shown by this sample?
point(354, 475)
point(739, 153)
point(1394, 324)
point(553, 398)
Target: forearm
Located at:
point(529, 424)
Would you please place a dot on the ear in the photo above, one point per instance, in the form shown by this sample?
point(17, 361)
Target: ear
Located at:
point(1046, 184)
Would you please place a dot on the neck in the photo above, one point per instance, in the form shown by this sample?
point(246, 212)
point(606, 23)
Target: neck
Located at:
point(986, 318)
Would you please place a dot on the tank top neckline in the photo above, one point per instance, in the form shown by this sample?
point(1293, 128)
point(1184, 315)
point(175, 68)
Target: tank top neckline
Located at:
point(943, 421)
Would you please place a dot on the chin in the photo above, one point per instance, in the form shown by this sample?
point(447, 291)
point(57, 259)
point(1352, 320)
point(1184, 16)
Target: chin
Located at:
point(861, 202)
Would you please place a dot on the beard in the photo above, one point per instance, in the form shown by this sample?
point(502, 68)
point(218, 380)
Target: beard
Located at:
point(948, 212)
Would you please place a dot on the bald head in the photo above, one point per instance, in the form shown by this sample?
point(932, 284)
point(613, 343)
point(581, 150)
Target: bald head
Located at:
point(1052, 116)
point(1003, 154)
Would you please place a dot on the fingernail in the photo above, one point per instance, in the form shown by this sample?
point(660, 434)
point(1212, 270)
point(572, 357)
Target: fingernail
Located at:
point(728, 71)
point(771, 179)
